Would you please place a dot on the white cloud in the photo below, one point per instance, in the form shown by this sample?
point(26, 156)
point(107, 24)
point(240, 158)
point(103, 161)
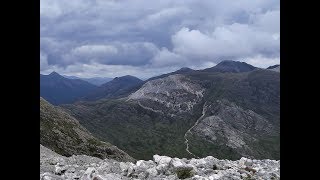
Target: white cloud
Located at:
point(115, 53)
point(233, 41)
point(163, 16)
point(166, 58)
point(263, 62)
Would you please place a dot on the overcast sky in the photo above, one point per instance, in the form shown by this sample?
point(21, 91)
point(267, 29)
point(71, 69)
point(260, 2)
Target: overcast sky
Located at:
point(110, 38)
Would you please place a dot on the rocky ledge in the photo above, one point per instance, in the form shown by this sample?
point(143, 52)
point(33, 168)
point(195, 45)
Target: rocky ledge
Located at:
point(54, 166)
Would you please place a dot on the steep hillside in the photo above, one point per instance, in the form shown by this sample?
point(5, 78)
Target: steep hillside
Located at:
point(62, 133)
point(227, 115)
point(60, 90)
point(184, 70)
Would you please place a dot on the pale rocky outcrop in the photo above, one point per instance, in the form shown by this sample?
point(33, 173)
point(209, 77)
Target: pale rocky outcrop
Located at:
point(54, 166)
point(176, 92)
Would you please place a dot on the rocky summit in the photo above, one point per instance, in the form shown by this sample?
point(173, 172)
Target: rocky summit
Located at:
point(54, 166)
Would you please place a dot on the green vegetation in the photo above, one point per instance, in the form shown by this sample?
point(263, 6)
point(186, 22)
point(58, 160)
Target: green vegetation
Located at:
point(184, 173)
point(139, 132)
point(203, 148)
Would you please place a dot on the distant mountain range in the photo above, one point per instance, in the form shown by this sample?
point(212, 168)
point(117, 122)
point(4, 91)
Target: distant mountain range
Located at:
point(227, 111)
point(60, 90)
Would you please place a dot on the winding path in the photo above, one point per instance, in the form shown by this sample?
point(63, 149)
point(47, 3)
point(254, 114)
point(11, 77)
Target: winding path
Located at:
point(150, 109)
point(204, 109)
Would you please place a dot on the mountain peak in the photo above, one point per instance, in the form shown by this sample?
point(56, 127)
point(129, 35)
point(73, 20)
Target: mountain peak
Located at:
point(184, 69)
point(231, 63)
point(274, 68)
point(53, 73)
point(127, 77)
point(231, 66)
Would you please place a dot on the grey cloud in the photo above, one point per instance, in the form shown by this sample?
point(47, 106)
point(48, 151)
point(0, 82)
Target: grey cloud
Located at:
point(55, 49)
point(156, 34)
point(87, 53)
point(43, 61)
point(268, 22)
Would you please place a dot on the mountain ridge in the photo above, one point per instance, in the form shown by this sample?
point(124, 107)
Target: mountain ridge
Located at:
point(275, 68)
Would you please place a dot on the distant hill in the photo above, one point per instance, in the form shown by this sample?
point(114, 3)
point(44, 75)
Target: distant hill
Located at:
point(60, 90)
point(118, 87)
point(231, 66)
point(94, 80)
point(183, 70)
point(274, 68)
point(63, 134)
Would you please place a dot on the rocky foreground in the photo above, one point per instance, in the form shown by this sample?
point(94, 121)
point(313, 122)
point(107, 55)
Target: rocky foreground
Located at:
point(54, 166)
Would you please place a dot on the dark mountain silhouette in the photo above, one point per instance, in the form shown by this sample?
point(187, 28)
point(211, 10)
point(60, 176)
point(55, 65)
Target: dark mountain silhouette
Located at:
point(118, 87)
point(231, 66)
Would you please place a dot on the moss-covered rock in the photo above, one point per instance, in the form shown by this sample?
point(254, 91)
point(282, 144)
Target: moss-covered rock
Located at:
point(184, 172)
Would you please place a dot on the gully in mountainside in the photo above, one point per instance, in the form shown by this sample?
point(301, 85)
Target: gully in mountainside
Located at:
point(204, 109)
